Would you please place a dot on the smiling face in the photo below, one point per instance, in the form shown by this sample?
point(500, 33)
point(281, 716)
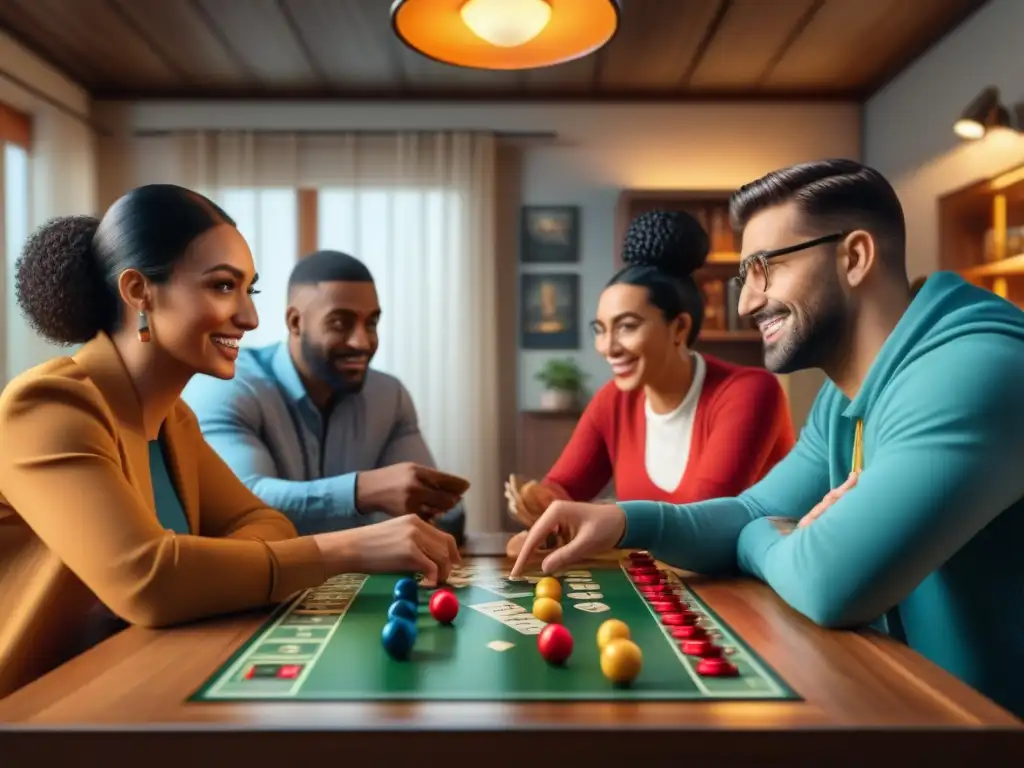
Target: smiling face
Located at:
point(335, 324)
point(803, 315)
point(634, 337)
point(198, 316)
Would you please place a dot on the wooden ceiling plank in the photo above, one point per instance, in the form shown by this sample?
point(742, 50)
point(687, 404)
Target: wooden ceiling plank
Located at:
point(901, 59)
point(746, 40)
point(351, 41)
point(92, 37)
point(794, 34)
point(149, 40)
point(186, 39)
point(705, 41)
point(655, 44)
point(259, 35)
point(300, 40)
point(213, 27)
point(577, 74)
point(45, 46)
point(849, 44)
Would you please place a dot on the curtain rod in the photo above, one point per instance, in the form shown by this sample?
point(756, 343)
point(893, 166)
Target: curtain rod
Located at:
point(56, 103)
point(535, 135)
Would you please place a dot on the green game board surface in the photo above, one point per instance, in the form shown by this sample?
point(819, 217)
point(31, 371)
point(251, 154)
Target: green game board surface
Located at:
point(326, 646)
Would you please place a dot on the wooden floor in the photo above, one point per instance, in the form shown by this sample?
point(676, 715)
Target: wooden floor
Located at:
point(865, 696)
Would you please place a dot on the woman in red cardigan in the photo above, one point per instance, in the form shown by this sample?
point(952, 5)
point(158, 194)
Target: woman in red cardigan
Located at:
point(672, 425)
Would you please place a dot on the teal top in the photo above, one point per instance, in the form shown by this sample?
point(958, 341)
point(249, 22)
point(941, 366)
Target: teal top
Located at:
point(169, 511)
point(927, 545)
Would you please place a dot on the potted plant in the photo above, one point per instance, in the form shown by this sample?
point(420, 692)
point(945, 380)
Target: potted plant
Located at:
point(563, 385)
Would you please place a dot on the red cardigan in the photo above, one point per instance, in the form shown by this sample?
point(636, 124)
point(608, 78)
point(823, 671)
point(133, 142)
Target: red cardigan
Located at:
point(742, 428)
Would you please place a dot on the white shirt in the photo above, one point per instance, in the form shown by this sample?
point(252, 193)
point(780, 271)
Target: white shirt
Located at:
point(667, 451)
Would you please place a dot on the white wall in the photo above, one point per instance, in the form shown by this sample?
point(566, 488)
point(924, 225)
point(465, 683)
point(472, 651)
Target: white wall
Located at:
point(63, 177)
point(908, 127)
point(600, 150)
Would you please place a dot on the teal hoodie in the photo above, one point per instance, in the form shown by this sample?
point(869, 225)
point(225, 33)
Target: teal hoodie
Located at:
point(929, 544)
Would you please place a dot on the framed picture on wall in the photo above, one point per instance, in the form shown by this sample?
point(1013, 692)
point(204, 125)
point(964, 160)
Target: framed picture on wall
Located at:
point(550, 234)
point(550, 311)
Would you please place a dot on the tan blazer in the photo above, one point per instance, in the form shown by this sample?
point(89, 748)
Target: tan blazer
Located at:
point(78, 525)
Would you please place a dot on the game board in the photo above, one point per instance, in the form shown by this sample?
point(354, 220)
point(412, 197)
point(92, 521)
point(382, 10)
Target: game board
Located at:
point(326, 646)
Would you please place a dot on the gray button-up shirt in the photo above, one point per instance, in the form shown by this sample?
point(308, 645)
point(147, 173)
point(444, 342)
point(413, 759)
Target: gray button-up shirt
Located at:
point(264, 425)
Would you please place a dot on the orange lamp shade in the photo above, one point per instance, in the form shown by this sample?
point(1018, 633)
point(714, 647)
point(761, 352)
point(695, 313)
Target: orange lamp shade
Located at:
point(505, 34)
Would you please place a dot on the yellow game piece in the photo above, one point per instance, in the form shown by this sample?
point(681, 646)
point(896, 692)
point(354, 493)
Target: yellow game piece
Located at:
point(621, 660)
point(546, 609)
point(613, 629)
point(549, 587)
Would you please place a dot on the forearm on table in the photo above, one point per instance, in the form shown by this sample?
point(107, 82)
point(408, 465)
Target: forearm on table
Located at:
point(698, 537)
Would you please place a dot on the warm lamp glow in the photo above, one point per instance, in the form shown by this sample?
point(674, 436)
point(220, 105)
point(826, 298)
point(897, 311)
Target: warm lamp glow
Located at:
point(969, 129)
point(507, 23)
point(505, 34)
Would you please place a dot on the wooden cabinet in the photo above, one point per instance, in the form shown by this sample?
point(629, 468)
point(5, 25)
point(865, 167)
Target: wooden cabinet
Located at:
point(724, 334)
point(542, 436)
point(981, 234)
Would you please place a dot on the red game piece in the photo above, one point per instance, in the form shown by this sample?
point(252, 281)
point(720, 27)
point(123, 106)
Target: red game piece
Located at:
point(689, 632)
point(643, 570)
point(704, 648)
point(646, 579)
point(655, 589)
point(639, 555)
point(444, 606)
point(679, 618)
point(716, 666)
point(666, 606)
point(555, 643)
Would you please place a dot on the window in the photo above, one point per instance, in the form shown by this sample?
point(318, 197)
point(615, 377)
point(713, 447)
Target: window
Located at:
point(268, 220)
point(15, 165)
point(410, 240)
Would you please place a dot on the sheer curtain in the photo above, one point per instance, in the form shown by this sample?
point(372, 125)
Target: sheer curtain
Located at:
point(418, 209)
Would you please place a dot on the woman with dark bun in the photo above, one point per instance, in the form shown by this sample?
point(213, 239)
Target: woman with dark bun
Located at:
point(113, 508)
point(673, 425)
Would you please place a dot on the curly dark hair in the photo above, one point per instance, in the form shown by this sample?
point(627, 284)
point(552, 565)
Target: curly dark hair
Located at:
point(66, 278)
point(662, 250)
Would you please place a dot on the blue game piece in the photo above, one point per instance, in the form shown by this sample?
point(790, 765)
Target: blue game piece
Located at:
point(407, 589)
point(403, 609)
point(398, 637)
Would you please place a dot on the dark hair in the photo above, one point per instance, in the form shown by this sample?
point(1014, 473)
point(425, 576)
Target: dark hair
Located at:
point(329, 267)
point(832, 195)
point(662, 250)
point(66, 279)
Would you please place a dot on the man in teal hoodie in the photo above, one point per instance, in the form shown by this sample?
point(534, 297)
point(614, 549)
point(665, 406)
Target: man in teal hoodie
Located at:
point(921, 425)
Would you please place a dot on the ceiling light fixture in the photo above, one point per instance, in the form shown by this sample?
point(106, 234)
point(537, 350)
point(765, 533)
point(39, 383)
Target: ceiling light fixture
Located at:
point(985, 113)
point(505, 34)
point(507, 23)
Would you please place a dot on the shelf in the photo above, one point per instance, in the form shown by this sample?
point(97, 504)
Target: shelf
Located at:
point(1011, 267)
point(736, 336)
point(727, 258)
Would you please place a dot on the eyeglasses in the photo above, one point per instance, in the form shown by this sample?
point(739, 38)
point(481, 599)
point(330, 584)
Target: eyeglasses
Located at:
point(755, 266)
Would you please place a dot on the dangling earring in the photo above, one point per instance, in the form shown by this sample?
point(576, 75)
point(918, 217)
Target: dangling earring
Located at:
point(143, 327)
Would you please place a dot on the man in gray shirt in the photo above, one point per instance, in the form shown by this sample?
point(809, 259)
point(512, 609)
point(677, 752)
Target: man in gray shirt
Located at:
point(311, 429)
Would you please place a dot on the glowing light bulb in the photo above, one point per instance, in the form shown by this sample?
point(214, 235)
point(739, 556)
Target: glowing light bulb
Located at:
point(506, 23)
point(969, 129)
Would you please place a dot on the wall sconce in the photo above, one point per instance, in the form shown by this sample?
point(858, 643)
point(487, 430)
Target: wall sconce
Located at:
point(985, 113)
point(505, 34)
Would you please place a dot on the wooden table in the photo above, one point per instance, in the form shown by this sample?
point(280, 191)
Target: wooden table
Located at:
point(866, 697)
